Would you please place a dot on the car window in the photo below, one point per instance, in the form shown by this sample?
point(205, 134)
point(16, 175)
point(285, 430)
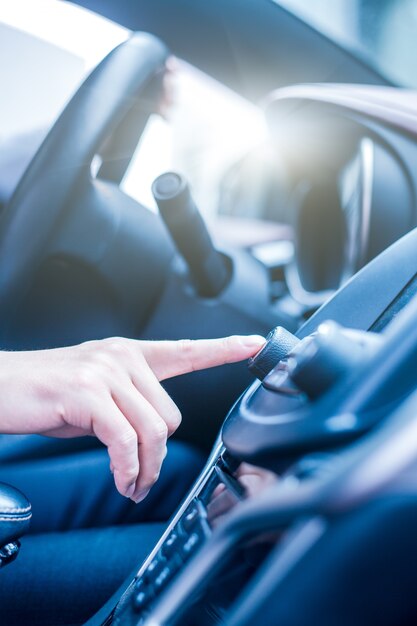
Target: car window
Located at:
point(52, 46)
point(47, 49)
point(382, 31)
point(206, 130)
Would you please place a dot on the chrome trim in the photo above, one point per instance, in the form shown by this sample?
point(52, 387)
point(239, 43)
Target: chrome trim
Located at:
point(301, 295)
point(367, 171)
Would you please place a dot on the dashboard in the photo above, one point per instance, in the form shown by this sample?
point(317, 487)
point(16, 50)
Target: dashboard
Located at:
point(233, 546)
point(354, 188)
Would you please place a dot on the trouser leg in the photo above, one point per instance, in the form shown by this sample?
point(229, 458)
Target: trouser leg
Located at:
point(85, 537)
point(77, 490)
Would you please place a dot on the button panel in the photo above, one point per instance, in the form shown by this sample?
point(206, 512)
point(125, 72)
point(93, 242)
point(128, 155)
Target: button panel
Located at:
point(154, 568)
point(184, 540)
point(170, 545)
point(190, 518)
point(142, 595)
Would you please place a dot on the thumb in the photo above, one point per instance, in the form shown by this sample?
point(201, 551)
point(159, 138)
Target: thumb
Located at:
point(172, 358)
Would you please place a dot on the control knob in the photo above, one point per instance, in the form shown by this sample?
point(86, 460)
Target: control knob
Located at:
point(279, 343)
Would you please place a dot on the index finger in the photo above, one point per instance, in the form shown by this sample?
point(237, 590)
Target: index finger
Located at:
point(172, 358)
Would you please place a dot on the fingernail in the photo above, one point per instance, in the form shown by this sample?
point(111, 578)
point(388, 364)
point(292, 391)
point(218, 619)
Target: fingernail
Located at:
point(141, 496)
point(130, 490)
point(252, 341)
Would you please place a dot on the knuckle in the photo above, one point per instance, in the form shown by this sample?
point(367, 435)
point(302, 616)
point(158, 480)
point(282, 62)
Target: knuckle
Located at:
point(228, 343)
point(103, 359)
point(186, 347)
point(110, 355)
point(150, 481)
point(86, 377)
point(159, 433)
point(116, 347)
point(174, 419)
point(130, 475)
point(128, 438)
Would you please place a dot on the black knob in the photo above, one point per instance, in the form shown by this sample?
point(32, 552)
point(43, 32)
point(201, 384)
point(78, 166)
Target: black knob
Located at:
point(278, 345)
point(209, 269)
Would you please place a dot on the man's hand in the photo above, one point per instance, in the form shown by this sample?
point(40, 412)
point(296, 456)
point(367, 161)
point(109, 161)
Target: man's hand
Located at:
point(109, 389)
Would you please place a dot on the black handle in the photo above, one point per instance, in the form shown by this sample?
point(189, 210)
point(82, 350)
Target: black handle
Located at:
point(208, 267)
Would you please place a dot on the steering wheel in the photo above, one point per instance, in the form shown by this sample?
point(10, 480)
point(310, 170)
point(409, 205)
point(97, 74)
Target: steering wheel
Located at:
point(61, 214)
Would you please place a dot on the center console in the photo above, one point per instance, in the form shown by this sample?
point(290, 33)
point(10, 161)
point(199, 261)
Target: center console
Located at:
point(190, 529)
point(287, 456)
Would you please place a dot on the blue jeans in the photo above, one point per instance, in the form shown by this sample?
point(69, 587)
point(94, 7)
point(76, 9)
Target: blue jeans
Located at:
point(85, 538)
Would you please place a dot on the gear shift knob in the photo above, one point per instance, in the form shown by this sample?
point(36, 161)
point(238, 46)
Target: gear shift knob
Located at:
point(15, 514)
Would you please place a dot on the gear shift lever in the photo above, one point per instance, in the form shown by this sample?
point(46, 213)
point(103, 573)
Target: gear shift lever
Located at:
point(208, 268)
point(15, 514)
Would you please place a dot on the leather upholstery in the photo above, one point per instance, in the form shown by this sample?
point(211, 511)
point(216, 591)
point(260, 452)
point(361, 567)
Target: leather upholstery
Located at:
point(15, 514)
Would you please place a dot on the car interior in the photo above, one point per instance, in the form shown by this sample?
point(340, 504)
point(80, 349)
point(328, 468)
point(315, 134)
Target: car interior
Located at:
point(288, 210)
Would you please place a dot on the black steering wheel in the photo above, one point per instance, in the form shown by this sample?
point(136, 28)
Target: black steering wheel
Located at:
point(61, 216)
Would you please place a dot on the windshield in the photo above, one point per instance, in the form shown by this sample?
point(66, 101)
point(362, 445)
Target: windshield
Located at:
point(383, 32)
point(48, 58)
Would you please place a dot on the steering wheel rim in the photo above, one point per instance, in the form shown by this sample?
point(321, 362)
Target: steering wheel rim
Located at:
point(62, 166)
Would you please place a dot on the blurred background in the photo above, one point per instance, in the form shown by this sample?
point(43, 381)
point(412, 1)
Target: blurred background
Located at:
point(215, 137)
